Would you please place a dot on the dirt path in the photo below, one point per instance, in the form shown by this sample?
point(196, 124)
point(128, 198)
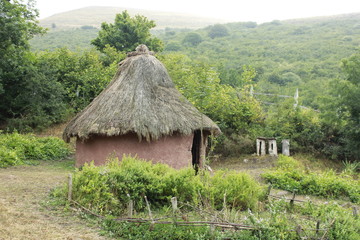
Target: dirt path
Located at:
point(23, 190)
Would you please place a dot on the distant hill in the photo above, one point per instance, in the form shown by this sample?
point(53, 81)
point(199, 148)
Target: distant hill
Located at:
point(94, 16)
point(302, 54)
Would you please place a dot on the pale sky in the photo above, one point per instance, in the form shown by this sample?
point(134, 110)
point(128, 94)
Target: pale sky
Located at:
point(232, 10)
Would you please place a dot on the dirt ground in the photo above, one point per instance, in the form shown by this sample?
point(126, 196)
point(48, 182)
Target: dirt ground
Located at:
point(24, 214)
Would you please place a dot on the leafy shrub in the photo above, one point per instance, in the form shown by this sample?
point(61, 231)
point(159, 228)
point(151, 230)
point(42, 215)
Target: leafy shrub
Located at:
point(9, 157)
point(15, 149)
point(289, 176)
point(240, 190)
point(287, 163)
point(108, 189)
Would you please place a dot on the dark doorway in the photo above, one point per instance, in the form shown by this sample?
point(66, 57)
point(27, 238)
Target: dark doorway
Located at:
point(195, 150)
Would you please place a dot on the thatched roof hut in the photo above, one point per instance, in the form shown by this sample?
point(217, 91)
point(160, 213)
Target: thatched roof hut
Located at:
point(140, 102)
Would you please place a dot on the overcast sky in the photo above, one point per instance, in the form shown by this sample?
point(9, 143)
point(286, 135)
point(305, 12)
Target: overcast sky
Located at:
point(232, 10)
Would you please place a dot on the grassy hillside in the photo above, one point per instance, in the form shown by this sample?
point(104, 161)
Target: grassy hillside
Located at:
point(297, 53)
point(94, 16)
point(302, 53)
point(75, 29)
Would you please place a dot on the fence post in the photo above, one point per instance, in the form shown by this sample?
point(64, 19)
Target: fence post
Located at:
point(317, 227)
point(268, 191)
point(355, 213)
point(174, 208)
point(70, 187)
point(130, 206)
point(292, 200)
point(148, 206)
point(298, 231)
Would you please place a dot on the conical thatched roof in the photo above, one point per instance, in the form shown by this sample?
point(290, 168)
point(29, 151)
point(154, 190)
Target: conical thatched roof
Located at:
point(141, 99)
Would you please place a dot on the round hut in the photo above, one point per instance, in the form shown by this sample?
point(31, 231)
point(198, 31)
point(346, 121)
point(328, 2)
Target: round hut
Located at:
point(141, 113)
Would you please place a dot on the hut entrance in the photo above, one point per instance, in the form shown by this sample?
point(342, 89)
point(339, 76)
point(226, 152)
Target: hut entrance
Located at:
point(195, 150)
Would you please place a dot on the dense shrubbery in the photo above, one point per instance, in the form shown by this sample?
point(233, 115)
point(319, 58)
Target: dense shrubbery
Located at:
point(290, 176)
point(104, 189)
point(17, 149)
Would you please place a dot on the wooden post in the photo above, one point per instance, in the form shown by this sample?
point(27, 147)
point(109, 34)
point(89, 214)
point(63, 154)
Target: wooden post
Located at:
point(355, 213)
point(317, 227)
point(70, 188)
point(174, 204)
point(292, 200)
point(298, 231)
point(130, 206)
point(268, 191)
point(224, 202)
point(212, 231)
point(148, 206)
point(174, 208)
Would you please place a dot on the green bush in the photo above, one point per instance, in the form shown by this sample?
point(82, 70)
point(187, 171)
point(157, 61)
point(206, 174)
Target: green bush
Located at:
point(9, 157)
point(16, 149)
point(289, 176)
point(107, 189)
point(240, 190)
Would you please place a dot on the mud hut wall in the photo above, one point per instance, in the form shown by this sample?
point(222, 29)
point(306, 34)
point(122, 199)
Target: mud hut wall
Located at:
point(173, 150)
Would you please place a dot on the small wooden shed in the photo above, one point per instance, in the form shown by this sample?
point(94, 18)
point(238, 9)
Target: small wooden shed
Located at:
point(141, 113)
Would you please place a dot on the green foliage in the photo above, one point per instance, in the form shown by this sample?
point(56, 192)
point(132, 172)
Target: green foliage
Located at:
point(192, 39)
point(19, 81)
point(351, 168)
point(173, 47)
point(302, 126)
point(279, 221)
point(127, 33)
point(108, 189)
point(289, 176)
point(125, 230)
point(233, 144)
point(287, 163)
point(82, 75)
point(218, 31)
point(19, 24)
point(348, 97)
point(17, 149)
point(240, 190)
point(200, 84)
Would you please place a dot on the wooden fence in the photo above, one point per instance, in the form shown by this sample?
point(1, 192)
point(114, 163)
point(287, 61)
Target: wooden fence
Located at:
point(178, 220)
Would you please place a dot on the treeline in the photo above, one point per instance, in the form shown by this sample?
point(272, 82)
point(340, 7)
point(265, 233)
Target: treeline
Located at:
point(43, 88)
point(310, 55)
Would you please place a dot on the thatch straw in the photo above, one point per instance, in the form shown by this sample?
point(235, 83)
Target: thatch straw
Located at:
point(140, 99)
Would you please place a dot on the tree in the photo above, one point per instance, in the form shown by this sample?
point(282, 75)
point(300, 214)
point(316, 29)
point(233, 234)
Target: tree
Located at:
point(126, 33)
point(18, 24)
point(348, 92)
point(200, 84)
point(218, 30)
point(192, 39)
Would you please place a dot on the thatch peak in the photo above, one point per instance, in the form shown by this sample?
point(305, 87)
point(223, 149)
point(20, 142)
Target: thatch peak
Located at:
point(141, 49)
point(140, 99)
